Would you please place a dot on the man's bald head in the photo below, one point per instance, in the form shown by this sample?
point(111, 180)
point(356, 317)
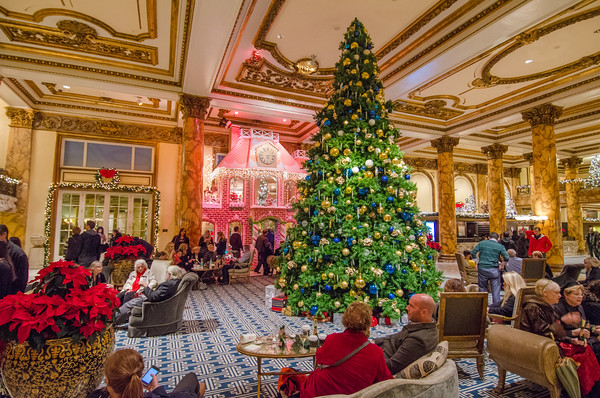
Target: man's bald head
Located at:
point(420, 308)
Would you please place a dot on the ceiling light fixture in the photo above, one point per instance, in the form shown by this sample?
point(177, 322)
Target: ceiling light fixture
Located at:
point(236, 112)
point(280, 36)
point(139, 101)
point(67, 87)
point(529, 61)
point(285, 120)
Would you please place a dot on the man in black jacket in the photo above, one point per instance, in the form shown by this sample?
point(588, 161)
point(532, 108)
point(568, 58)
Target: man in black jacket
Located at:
point(164, 291)
point(19, 260)
point(90, 245)
point(416, 339)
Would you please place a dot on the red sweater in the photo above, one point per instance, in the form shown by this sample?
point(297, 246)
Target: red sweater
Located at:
point(541, 244)
point(362, 370)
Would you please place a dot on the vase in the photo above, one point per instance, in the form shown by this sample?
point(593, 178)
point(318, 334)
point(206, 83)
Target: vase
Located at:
point(120, 270)
point(62, 369)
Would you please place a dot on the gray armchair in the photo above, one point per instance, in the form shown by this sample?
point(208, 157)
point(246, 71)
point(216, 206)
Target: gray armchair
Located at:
point(163, 317)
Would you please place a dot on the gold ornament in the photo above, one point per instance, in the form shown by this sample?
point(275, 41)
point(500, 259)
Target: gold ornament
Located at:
point(358, 142)
point(360, 283)
point(363, 209)
point(347, 152)
point(398, 253)
point(304, 233)
point(296, 245)
point(380, 209)
point(337, 304)
point(344, 284)
point(348, 202)
point(395, 161)
point(379, 132)
point(300, 304)
point(408, 248)
point(370, 148)
point(334, 151)
point(366, 225)
point(304, 268)
point(326, 204)
point(331, 275)
point(345, 251)
point(282, 282)
point(323, 276)
point(387, 218)
point(372, 215)
point(399, 292)
point(318, 294)
point(368, 174)
point(296, 287)
point(383, 156)
point(331, 180)
point(377, 235)
point(327, 136)
point(349, 217)
point(317, 144)
point(348, 190)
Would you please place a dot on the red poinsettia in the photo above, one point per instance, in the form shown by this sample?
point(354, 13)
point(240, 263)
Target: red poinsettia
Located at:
point(61, 305)
point(433, 244)
point(459, 205)
point(107, 173)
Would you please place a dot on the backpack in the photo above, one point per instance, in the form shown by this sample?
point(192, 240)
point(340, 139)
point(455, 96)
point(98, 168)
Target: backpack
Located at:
point(289, 385)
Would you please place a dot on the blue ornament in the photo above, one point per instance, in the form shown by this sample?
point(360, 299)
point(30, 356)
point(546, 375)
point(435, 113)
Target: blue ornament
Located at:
point(335, 202)
point(316, 212)
point(372, 113)
point(286, 250)
point(424, 282)
point(410, 295)
point(316, 198)
point(373, 289)
point(302, 290)
point(373, 205)
point(391, 296)
point(407, 176)
point(404, 270)
point(336, 191)
point(307, 178)
point(326, 257)
point(360, 226)
point(313, 310)
point(384, 179)
point(310, 161)
point(391, 229)
point(376, 117)
point(355, 33)
point(380, 169)
point(310, 259)
point(327, 123)
point(318, 122)
point(320, 172)
point(363, 168)
point(390, 268)
point(369, 46)
point(336, 240)
point(349, 241)
point(350, 111)
point(429, 257)
point(347, 46)
point(390, 199)
point(327, 288)
point(315, 284)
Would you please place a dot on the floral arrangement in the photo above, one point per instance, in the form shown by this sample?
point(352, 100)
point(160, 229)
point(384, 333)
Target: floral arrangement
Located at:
point(60, 305)
point(125, 248)
point(107, 178)
point(433, 244)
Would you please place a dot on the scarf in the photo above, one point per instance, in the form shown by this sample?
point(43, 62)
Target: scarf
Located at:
point(136, 284)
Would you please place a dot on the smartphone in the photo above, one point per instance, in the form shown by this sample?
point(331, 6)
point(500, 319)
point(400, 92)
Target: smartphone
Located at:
point(147, 378)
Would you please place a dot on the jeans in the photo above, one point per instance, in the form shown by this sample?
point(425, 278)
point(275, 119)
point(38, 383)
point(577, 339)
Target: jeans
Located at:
point(493, 276)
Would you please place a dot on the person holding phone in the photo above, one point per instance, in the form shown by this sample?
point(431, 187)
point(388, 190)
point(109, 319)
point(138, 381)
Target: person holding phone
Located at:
point(125, 378)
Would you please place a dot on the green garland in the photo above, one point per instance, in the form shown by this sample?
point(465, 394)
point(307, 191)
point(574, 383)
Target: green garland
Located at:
point(87, 186)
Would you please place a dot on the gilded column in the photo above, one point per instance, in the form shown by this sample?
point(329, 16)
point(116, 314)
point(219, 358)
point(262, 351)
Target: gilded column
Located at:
point(574, 212)
point(18, 165)
point(194, 111)
point(529, 158)
point(446, 201)
point(495, 187)
point(481, 187)
point(547, 199)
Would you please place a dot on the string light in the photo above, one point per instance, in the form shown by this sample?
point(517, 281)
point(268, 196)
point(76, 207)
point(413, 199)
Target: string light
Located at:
point(12, 181)
point(89, 186)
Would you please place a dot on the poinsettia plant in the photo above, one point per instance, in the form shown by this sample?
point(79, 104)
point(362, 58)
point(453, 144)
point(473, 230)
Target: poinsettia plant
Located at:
point(433, 244)
point(61, 304)
point(125, 247)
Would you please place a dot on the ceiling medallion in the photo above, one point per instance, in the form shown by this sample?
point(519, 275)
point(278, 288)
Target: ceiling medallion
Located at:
point(307, 66)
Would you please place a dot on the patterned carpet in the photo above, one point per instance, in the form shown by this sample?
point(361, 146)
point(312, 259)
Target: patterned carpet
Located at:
point(215, 318)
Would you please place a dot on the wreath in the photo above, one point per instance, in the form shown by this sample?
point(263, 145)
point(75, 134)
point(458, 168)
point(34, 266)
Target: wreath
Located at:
point(107, 178)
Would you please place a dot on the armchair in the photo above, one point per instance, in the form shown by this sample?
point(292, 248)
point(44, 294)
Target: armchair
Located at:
point(467, 274)
point(533, 269)
point(242, 270)
point(515, 319)
point(462, 321)
point(163, 317)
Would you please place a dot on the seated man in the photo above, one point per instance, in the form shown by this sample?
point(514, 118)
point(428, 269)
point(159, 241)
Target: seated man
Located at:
point(416, 339)
point(235, 264)
point(514, 263)
point(164, 291)
point(210, 254)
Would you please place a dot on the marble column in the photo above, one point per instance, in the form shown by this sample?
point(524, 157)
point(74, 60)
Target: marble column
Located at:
point(496, 199)
point(574, 212)
point(529, 158)
point(547, 198)
point(18, 165)
point(446, 200)
point(194, 110)
point(482, 196)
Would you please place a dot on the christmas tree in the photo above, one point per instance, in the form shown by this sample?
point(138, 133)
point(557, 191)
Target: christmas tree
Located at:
point(357, 236)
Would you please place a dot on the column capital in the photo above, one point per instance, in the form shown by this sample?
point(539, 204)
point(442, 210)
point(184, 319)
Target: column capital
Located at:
point(545, 114)
point(571, 163)
point(481, 168)
point(445, 143)
point(20, 117)
point(494, 151)
point(193, 106)
point(528, 157)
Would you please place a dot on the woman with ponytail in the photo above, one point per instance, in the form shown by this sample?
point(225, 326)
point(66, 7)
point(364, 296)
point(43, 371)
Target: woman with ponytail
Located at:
point(124, 370)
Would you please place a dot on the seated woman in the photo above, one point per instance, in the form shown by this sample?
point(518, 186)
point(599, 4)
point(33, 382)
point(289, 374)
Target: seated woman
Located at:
point(472, 269)
point(540, 318)
point(361, 370)
point(184, 258)
point(169, 251)
point(124, 370)
point(132, 285)
point(591, 303)
point(592, 270)
point(210, 254)
point(513, 282)
point(451, 285)
point(97, 275)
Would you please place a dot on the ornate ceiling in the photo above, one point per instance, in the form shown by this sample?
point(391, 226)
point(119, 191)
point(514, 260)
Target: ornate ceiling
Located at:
point(466, 68)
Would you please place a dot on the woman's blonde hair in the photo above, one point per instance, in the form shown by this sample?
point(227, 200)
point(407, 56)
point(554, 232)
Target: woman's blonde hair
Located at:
point(184, 248)
point(123, 371)
point(594, 262)
point(572, 289)
point(545, 284)
point(357, 317)
point(513, 282)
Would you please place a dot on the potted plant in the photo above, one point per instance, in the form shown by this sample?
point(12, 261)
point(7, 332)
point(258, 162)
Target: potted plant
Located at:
point(122, 257)
point(434, 245)
point(56, 338)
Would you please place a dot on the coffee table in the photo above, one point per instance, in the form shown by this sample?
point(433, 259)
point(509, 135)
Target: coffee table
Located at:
point(207, 274)
point(267, 350)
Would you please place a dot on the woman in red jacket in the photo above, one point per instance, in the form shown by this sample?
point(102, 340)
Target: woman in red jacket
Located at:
point(364, 368)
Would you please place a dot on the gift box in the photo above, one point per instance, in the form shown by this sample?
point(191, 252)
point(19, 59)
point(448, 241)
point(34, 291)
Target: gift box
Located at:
point(271, 291)
point(278, 303)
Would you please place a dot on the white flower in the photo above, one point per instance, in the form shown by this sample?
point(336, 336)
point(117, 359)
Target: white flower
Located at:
point(367, 241)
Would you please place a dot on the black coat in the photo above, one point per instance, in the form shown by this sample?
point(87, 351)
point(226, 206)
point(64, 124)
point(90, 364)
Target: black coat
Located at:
point(164, 291)
point(7, 278)
point(74, 245)
point(221, 247)
point(21, 266)
point(523, 247)
point(178, 241)
point(591, 275)
point(504, 310)
point(90, 245)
